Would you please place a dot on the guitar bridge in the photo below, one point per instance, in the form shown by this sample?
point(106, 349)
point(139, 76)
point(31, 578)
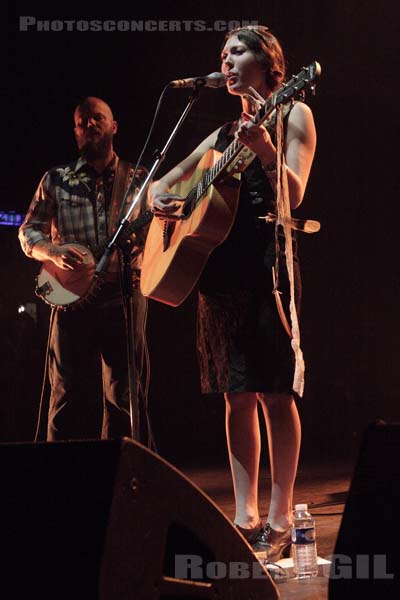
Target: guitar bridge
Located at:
point(168, 230)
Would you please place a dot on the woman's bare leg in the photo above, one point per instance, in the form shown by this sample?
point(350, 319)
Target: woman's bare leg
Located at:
point(243, 438)
point(284, 436)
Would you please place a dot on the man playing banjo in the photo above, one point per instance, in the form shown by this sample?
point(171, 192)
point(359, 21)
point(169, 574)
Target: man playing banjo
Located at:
point(74, 211)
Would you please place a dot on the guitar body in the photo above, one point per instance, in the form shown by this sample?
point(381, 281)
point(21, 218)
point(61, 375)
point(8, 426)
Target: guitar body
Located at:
point(176, 252)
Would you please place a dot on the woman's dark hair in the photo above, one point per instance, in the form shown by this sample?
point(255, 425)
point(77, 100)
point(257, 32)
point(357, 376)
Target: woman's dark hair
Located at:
point(267, 51)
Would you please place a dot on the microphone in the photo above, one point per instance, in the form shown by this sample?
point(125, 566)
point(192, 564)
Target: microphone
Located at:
point(213, 80)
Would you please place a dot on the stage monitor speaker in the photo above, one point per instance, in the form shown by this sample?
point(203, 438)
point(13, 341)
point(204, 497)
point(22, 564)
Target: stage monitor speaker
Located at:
point(86, 520)
point(366, 559)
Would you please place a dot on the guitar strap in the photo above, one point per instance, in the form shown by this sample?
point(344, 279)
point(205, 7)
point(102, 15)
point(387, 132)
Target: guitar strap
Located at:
point(277, 127)
point(284, 220)
point(122, 176)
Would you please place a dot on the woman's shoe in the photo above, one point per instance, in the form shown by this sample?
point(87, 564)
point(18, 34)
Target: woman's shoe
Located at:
point(255, 537)
point(275, 544)
point(278, 543)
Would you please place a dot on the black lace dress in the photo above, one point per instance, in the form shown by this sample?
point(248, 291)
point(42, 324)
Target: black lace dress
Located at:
point(242, 345)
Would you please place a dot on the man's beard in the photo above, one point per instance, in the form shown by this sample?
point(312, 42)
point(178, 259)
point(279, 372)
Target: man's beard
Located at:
point(94, 150)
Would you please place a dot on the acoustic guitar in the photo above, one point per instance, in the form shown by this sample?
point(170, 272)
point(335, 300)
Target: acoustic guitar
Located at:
point(177, 251)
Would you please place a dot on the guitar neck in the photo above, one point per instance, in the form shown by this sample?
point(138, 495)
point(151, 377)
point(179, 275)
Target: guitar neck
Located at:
point(293, 87)
point(235, 147)
point(231, 153)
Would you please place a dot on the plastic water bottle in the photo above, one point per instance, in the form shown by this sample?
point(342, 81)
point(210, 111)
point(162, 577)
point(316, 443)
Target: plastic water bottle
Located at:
point(305, 560)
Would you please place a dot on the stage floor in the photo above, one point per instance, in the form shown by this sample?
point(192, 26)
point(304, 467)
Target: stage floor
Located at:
point(323, 487)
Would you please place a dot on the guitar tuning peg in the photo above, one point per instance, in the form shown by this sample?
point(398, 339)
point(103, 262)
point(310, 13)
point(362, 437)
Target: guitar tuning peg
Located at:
point(313, 89)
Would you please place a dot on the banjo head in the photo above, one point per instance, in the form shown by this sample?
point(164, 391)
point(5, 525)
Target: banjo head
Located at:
point(63, 288)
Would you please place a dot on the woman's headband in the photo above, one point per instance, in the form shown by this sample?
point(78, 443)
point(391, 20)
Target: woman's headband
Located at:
point(260, 30)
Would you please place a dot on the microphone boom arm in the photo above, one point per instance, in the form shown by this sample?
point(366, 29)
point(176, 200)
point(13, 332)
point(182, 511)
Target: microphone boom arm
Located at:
point(102, 264)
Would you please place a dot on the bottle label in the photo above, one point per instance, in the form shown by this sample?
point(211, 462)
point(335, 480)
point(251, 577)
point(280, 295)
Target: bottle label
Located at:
point(304, 535)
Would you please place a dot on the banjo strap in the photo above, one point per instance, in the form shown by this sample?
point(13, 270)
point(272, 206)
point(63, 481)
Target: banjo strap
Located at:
point(121, 181)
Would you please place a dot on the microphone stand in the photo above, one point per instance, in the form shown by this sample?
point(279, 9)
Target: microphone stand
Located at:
point(117, 240)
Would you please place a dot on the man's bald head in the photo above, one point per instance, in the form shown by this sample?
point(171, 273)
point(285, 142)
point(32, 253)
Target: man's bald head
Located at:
point(94, 128)
point(92, 103)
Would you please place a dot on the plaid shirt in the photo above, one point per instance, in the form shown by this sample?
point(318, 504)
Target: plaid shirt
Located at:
point(72, 204)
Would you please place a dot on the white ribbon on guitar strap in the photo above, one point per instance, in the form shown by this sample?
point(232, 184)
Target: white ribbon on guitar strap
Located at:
point(284, 220)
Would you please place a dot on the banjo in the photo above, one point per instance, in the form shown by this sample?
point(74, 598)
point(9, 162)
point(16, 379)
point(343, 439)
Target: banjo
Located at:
point(65, 289)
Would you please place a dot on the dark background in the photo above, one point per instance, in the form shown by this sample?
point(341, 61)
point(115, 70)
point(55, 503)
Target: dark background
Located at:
point(350, 269)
